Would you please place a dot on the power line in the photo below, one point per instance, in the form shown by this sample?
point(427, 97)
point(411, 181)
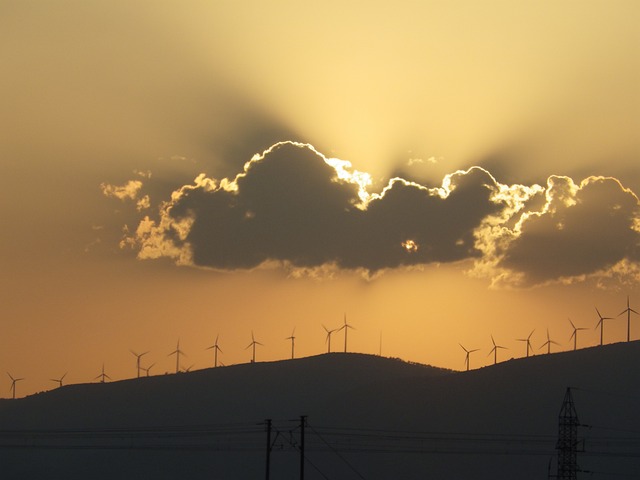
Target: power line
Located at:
point(338, 454)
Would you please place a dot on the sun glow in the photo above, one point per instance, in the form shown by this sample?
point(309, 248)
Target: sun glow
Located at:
point(410, 246)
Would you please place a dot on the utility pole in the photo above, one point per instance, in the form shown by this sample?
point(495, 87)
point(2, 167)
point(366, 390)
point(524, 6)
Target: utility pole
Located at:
point(303, 420)
point(268, 466)
point(567, 444)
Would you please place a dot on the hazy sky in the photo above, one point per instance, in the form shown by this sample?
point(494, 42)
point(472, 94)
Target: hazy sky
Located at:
point(439, 172)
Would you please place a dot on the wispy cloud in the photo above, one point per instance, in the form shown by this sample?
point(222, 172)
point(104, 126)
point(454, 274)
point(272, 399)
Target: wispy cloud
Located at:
point(292, 206)
point(128, 191)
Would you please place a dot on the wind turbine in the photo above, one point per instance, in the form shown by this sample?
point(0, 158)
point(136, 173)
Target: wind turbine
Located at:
point(253, 344)
point(13, 384)
point(177, 352)
point(58, 380)
point(293, 340)
point(528, 341)
point(548, 343)
point(628, 311)
point(215, 348)
point(574, 335)
point(102, 376)
point(148, 368)
point(328, 338)
point(601, 325)
point(468, 352)
point(138, 357)
point(345, 327)
point(494, 350)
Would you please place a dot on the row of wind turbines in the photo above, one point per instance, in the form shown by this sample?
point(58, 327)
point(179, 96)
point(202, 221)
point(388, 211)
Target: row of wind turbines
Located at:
point(103, 377)
point(549, 342)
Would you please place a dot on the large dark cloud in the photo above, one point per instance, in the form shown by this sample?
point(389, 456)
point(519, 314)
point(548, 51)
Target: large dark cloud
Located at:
point(288, 207)
point(583, 229)
point(293, 206)
point(441, 227)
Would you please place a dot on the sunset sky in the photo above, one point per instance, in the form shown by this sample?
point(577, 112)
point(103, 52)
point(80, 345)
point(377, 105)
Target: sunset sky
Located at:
point(437, 171)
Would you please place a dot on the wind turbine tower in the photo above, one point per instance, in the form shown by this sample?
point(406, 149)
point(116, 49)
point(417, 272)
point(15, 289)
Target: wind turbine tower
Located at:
point(601, 325)
point(13, 384)
point(177, 352)
point(102, 376)
point(328, 338)
point(548, 343)
point(293, 340)
point(494, 350)
point(216, 348)
point(58, 380)
point(148, 369)
point(253, 344)
point(628, 311)
point(138, 357)
point(345, 327)
point(527, 341)
point(468, 353)
point(574, 335)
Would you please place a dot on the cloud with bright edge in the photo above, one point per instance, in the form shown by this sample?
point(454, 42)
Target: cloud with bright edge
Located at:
point(293, 207)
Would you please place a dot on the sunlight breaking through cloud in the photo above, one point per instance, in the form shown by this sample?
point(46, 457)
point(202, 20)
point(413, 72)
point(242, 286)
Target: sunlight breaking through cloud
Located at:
point(293, 207)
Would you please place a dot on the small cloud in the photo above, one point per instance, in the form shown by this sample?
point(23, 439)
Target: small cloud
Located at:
point(128, 191)
point(142, 173)
point(144, 203)
point(421, 161)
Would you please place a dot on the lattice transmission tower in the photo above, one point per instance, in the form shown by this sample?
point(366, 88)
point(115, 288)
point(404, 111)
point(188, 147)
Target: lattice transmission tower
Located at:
point(568, 443)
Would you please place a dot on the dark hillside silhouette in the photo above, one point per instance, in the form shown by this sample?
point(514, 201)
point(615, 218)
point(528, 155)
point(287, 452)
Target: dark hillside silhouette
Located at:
point(379, 417)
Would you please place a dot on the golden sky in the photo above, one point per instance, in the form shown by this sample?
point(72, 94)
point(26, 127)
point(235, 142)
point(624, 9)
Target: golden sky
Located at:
point(150, 191)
